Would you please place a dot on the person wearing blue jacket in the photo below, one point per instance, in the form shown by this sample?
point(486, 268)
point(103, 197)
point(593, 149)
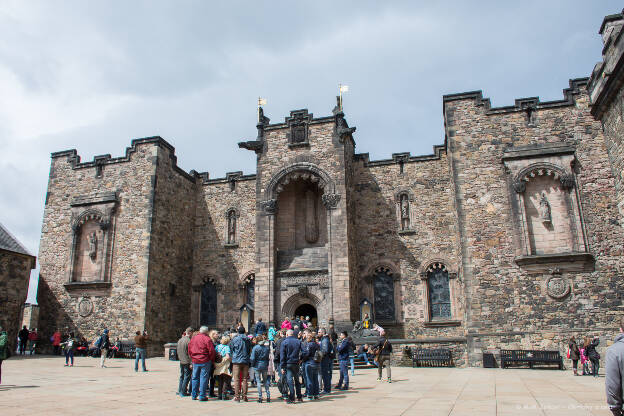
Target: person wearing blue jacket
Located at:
point(309, 349)
point(241, 350)
point(290, 351)
point(344, 350)
point(260, 364)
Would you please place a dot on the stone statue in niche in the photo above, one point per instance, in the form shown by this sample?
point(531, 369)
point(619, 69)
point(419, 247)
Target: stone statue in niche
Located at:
point(311, 220)
point(231, 232)
point(405, 217)
point(544, 209)
point(93, 242)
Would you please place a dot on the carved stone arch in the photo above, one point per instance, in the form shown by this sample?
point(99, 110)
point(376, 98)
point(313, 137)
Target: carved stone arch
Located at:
point(437, 263)
point(388, 267)
point(232, 209)
point(565, 178)
point(297, 300)
point(404, 191)
point(303, 169)
point(247, 277)
point(88, 215)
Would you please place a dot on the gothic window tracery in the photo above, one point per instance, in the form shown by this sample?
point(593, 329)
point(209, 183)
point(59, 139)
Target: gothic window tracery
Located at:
point(383, 287)
point(439, 293)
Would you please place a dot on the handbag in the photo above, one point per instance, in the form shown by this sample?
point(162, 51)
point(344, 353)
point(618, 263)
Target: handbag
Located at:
point(218, 357)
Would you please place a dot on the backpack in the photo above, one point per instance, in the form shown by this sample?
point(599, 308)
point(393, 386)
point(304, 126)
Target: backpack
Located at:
point(98, 342)
point(282, 386)
point(318, 356)
point(331, 354)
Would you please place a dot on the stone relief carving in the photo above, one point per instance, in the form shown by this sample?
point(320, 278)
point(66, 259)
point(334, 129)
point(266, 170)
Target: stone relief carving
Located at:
point(331, 200)
point(519, 186)
point(269, 206)
point(85, 307)
point(544, 209)
point(557, 287)
point(405, 212)
point(311, 218)
point(93, 242)
point(231, 230)
point(567, 181)
point(303, 279)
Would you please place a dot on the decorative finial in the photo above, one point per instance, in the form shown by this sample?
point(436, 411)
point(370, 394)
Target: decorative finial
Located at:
point(341, 89)
point(261, 102)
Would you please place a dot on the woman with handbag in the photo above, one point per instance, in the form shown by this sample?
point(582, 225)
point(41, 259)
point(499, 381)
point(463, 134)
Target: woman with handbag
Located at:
point(593, 356)
point(222, 368)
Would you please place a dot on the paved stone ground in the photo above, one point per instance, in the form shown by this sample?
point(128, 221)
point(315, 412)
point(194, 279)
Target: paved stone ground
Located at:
point(41, 385)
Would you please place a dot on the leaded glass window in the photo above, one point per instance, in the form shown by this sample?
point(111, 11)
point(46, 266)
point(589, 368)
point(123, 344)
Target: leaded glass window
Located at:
point(250, 289)
point(439, 292)
point(383, 286)
point(208, 310)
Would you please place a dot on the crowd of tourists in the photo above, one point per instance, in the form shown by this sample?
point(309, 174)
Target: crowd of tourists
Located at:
point(297, 358)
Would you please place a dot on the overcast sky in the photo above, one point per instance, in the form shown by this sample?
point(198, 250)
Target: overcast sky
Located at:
point(93, 75)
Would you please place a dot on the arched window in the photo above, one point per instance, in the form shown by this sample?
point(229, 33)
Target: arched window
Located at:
point(439, 291)
point(250, 290)
point(208, 310)
point(383, 286)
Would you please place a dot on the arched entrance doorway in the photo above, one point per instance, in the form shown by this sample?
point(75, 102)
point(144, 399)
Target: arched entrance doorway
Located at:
point(306, 310)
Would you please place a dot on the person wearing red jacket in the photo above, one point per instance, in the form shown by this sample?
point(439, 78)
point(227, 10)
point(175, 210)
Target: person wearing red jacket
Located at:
point(202, 353)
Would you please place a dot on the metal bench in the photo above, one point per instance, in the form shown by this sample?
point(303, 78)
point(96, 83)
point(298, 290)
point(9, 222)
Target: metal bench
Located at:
point(439, 357)
point(530, 357)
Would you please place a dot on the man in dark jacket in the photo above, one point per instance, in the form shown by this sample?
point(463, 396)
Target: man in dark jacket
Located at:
point(202, 353)
point(344, 350)
point(327, 348)
point(241, 351)
point(290, 351)
point(22, 335)
point(104, 347)
point(261, 328)
point(185, 363)
point(309, 358)
point(614, 373)
point(383, 352)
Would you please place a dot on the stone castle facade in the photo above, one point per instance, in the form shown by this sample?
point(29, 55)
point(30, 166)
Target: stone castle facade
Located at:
point(508, 235)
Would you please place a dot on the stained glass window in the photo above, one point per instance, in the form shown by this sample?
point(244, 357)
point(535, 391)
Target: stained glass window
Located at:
point(384, 296)
point(439, 293)
point(208, 310)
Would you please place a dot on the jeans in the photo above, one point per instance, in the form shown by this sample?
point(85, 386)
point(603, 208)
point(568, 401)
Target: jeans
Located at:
point(262, 379)
point(140, 353)
point(103, 355)
point(326, 373)
point(200, 380)
point(185, 379)
point(364, 357)
point(595, 366)
point(22, 347)
point(351, 359)
point(69, 354)
point(343, 382)
point(292, 378)
point(311, 370)
point(240, 375)
point(384, 359)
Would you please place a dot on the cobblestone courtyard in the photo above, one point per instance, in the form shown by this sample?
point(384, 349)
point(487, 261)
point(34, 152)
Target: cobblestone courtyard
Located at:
point(42, 385)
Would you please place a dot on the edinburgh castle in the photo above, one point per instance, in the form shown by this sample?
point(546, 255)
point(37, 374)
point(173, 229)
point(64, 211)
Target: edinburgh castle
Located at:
point(508, 235)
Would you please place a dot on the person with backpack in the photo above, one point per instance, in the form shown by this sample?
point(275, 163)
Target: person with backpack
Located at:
point(5, 350)
point(290, 351)
point(260, 328)
point(260, 363)
point(70, 346)
point(574, 354)
point(344, 351)
point(327, 362)
point(594, 357)
point(311, 357)
point(241, 351)
point(382, 356)
point(104, 345)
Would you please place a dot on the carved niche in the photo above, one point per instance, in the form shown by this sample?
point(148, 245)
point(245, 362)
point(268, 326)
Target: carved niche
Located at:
point(91, 228)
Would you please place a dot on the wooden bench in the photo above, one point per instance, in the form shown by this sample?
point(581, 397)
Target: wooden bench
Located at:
point(126, 349)
point(438, 357)
point(530, 357)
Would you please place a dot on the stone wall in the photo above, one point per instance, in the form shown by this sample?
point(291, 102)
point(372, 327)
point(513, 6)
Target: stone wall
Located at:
point(14, 277)
point(169, 293)
point(431, 237)
point(502, 294)
point(119, 303)
point(213, 259)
